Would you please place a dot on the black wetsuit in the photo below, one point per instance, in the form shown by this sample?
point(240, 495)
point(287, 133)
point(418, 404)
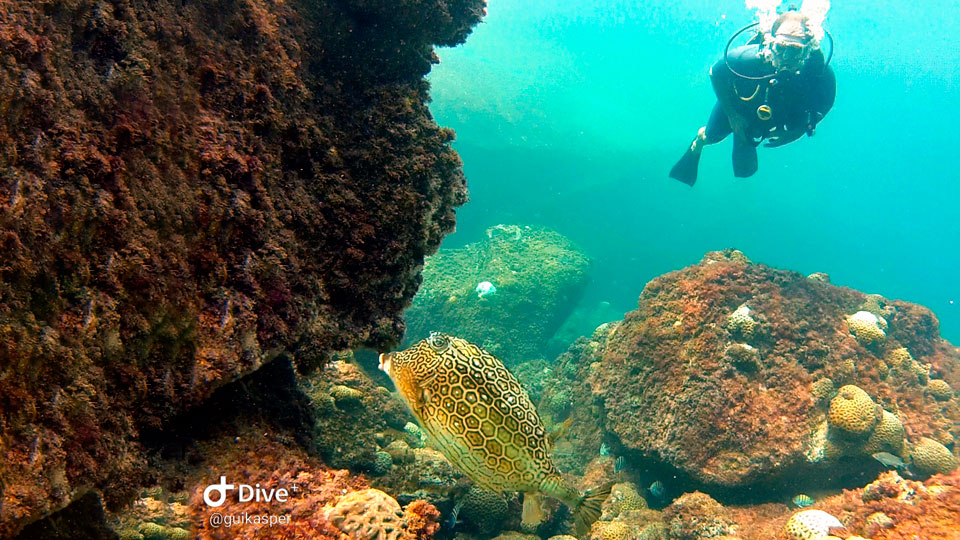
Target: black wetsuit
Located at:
point(790, 104)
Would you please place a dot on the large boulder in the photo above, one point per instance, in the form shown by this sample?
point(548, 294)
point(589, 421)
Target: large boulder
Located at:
point(538, 277)
point(188, 189)
point(727, 371)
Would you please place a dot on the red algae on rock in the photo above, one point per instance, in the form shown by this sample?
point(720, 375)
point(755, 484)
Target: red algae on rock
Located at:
point(732, 419)
point(894, 508)
point(187, 189)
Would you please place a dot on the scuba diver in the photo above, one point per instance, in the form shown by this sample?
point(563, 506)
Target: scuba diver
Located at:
point(777, 87)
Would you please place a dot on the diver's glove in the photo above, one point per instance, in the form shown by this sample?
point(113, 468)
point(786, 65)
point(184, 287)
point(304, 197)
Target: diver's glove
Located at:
point(780, 137)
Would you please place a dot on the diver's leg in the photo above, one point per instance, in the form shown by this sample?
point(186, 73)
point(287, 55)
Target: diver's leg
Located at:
point(717, 128)
point(744, 157)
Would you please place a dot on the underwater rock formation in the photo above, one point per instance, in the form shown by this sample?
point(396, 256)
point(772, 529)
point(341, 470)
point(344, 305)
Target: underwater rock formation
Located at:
point(890, 508)
point(894, 508)
point(668, 385)
point(353, 418)
point(539, 277)
point(568, 396)
point(187, 189)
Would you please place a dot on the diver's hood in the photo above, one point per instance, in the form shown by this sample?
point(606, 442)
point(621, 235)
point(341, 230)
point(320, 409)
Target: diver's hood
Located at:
point(791, 28)
point(790, 41)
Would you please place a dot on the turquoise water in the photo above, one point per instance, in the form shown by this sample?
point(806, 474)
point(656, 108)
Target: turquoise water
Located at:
point(570, 114)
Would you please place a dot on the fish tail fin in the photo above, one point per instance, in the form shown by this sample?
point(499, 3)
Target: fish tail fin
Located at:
point(587, 509)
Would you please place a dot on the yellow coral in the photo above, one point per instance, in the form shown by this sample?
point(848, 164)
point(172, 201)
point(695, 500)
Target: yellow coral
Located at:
point(922, 371)
point(888, 436)
point(867, 327)
point(623, 498)
point(810, 525)
point(940, 389)
point(344, 395)
point(853, 411)
point(899, 358)
point(610, 530)
point(930, 457)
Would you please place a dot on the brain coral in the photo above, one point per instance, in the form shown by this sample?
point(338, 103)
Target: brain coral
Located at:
point(369, 514)
point(741, 322)
point(484, 510)
point(853, 411)
point(823, 388)
point(696, 515)
point(930, 457)
point(346, 396)
point(610, 530)
point(623, 498)
point(810, 525)
point(381, 463)
point(400, 452)
point(921, 371)
point(940, 389)
point(888, 436)
point(867, 327)
point(899, 357)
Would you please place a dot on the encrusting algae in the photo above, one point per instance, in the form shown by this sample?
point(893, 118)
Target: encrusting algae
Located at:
point(483, 421)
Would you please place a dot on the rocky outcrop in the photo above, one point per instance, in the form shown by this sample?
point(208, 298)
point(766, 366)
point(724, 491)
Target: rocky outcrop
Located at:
point(508, 293)
point(188, 188)
point(727, 370)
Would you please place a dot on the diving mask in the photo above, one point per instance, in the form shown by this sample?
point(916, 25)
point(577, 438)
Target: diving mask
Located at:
point(789, 53)
point(790, 41)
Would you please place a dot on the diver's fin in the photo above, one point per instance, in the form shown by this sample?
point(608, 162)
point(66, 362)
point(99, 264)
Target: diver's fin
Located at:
point(588, 508)
point(686, 169)
point(744, 158)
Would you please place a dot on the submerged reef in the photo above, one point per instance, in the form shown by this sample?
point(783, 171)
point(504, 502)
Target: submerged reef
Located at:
point(737, 374)
point(539, 277)
point(189, 188)
point(889, 508)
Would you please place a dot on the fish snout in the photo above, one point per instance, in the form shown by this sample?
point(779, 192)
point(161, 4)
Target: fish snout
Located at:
point(386, 362)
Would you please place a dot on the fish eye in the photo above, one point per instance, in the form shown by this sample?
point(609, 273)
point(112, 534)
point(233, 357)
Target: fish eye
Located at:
point(438, 342)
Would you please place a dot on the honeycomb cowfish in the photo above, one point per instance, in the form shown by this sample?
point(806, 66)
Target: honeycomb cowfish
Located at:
point(480, 418)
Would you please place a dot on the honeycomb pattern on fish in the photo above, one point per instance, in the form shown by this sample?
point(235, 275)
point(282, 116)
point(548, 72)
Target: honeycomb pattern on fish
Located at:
point(477, 411)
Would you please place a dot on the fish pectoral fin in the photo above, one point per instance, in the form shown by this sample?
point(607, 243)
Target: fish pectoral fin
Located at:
point(532, 515)
point(421, 395)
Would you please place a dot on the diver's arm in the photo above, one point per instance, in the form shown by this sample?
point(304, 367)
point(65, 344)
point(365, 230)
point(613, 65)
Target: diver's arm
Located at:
point(823, 93)
point(746, 61)
point(780, 137)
